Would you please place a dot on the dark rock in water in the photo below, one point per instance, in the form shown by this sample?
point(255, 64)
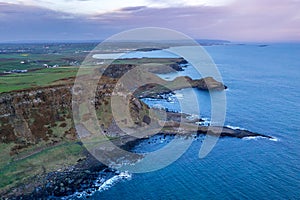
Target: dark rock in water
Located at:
point(173, 120)
point(228, 132)
point(176, 67)
point(263, 45)
point(147, 119)
point(182, 62)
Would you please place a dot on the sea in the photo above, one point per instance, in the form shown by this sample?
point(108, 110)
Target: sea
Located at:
point(263, 96)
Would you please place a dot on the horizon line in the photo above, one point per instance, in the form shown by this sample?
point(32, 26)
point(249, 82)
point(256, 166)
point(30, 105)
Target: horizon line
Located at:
point(101, 40)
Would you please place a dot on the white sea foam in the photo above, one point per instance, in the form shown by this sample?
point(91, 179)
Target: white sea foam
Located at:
point(235, 127)
point(274, 139)
point(260, 137)
point(252, 138)
point(179, 96)
point(101, 184)
point(192, 117)
point(112, 181)
point(206, 122)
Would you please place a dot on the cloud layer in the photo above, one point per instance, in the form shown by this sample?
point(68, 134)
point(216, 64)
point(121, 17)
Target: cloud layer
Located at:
point(247, 20)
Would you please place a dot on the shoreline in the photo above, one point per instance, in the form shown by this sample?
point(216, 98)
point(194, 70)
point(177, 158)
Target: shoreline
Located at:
point(83, 175)
point(89, 174)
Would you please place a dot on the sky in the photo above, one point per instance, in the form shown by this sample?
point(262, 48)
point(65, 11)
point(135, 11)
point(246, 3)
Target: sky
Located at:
point(234, 20)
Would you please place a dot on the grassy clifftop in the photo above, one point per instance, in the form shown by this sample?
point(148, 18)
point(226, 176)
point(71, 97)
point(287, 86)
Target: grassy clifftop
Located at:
point(37, 133)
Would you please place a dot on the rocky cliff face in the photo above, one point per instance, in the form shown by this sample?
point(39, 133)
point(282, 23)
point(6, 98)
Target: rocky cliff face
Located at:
point(43, 116)
point(31, 116)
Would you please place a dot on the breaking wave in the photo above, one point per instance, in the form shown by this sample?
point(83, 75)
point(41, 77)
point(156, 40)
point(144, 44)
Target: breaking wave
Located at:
point(101, 184)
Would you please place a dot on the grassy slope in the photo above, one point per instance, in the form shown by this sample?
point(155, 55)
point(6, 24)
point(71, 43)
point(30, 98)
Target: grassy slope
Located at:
point(38, 78)
point(39, 159)
point(13, 171)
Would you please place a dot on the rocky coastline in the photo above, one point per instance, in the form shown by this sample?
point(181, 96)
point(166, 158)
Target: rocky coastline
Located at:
point(86, 177)
point(43, 116)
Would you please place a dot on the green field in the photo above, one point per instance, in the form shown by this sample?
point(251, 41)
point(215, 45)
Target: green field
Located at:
point(37, 78)
point(33, 56)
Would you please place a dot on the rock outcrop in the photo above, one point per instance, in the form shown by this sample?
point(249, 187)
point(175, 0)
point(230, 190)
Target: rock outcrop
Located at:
point(160, 86)
point(207, 83)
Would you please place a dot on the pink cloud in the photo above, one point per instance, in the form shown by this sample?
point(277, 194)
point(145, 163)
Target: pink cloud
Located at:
point(247, 20)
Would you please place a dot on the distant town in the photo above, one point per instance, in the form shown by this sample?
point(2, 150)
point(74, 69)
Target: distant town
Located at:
point(18, 71)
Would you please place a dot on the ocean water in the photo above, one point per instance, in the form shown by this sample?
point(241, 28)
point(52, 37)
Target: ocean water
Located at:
point(263, 97)
point(136, 54)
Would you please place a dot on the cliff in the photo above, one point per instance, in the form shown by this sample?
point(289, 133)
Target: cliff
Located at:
point(43, 115)
point(28, 117)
